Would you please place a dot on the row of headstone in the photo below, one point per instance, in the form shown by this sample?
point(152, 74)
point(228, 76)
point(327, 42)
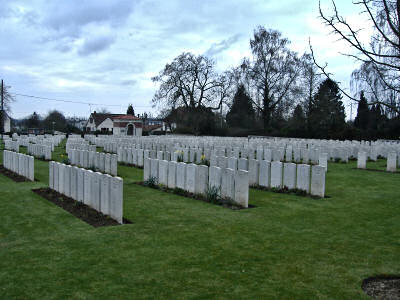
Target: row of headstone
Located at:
point(79, 146)
point(104, 162)
point(19, 163)
point(11, 145)
point(278, 175)
point(198, 179)
point(274, 149)
point(102, 192)
point(39, 151)
point(391, 161)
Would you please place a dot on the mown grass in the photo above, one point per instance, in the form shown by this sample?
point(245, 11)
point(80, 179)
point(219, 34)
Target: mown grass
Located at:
point(287, 247)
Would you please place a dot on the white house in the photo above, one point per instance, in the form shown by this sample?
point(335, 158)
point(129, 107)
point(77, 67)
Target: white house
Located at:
point(117, 124)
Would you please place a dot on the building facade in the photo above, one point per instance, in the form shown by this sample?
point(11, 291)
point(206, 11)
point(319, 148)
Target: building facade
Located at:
point(115, 124)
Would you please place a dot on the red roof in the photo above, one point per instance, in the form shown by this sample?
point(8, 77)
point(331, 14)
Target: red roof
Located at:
point(99, 118)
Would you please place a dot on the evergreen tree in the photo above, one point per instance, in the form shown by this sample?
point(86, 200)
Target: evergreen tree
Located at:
point(328, 115)
point(242, 113)
point(130, 110)
point(362, 119)
point(297, 123)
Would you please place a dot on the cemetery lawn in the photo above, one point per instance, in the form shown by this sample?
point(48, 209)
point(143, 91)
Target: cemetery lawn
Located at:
point(288, 247)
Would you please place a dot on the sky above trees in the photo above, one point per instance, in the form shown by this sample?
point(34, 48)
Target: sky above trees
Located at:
point(106, 52)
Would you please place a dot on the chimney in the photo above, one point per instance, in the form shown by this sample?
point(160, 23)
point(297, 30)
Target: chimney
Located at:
point(94, 112)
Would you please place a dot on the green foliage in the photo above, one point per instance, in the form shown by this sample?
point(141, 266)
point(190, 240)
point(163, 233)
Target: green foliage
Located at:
point(327, 116)
point(151, 182)
point(213, 194)
point(241, 113)
point(130, 110)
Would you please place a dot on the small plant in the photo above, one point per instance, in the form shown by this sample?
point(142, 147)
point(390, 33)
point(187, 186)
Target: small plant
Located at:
point(151, 182)
point(337, 160)
point(180, 156)
point(204, 160)
point(66, 161)
point(213, 194)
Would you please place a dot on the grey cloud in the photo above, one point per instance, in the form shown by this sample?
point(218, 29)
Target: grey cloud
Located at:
point(128, 82)
point(96, 44)
point(219, 47)
point(70, 16)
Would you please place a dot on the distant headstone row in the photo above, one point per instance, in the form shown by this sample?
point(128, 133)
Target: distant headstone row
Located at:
point(104, 162)
point(102, 192)
point(19, 163)
point(282, 149)
point(11, 145)
point(198, 179)
point(391, 163)
point(40, 151)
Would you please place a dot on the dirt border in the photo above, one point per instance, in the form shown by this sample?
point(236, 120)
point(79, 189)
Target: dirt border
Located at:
point(13, 176)
point(382, 286)
point(78, 209)
point(180, 192)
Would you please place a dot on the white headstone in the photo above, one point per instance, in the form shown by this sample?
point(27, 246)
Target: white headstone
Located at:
point(265, 173)
point(289, 175)
point(172, 174)
point(303, 178)
point(276, 174)
point(318, 181)
point(242, 188)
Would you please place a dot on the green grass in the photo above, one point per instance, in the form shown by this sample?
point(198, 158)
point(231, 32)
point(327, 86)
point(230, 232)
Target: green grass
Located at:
point(287, 247)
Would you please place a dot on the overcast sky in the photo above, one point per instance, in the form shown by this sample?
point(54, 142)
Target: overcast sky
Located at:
point(107, 51)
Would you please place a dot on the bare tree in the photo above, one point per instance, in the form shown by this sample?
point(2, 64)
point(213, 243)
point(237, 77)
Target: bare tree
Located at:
point(192, 82)
point(310, 80)
point(273, 72)
point(379, 72)
point(7, 100)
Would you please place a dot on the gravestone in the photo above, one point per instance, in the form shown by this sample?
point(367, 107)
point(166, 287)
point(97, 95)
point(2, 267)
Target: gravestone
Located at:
point(253, 172)
point(361, 160)
point(318, 181)
point(228, 183)
point(172, 174)
point(265, 173)
point(289, 175)
point(242, 188)
point(303, 178)
point(276, 174)
point(201, 183)
point(180, 175)
point(163, 172)
point(116, 199)
point(105, 188)
point(214, 179)
point(190, 178)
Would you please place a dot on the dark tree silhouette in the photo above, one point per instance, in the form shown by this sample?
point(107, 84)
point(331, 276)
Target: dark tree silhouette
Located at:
point(130, 110)
point(241, 113)
point(362, 119)
point(328, 115)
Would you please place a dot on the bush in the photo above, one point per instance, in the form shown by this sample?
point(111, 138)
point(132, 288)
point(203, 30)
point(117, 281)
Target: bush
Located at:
point(213, 194)
point(151, 182)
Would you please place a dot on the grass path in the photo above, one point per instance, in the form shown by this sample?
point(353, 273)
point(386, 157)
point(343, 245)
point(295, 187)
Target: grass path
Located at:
point(288, 247)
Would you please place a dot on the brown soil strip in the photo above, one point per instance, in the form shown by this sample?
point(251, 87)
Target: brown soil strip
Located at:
point(14, 176)
point(180, 192)
point(78, 209)
point(382, 287)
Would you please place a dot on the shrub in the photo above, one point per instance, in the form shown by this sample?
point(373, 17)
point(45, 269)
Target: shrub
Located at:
point(151, 182)
point(213, 194)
